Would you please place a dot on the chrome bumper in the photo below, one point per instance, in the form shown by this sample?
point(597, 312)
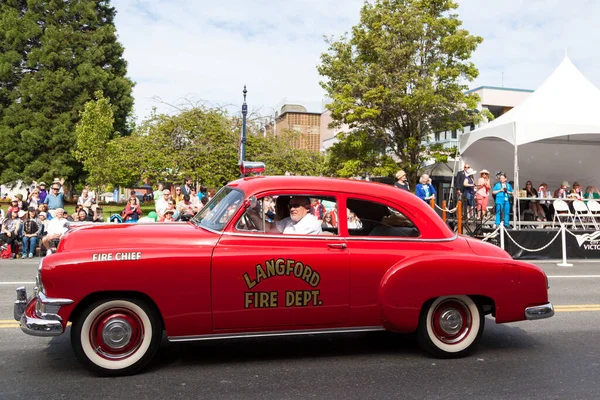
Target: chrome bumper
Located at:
point(539, 312)
point(42, 319)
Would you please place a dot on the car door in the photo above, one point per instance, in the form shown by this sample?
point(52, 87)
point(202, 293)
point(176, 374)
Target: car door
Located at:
point(381, 236)
point(270, 281)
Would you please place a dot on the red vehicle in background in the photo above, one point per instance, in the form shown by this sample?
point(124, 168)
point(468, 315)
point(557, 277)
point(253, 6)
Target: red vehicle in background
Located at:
point(388, 262)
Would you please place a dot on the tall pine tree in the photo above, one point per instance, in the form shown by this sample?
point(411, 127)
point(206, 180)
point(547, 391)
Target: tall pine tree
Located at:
point(54, 54)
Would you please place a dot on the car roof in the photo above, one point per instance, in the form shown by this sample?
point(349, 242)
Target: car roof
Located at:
point(418, 208)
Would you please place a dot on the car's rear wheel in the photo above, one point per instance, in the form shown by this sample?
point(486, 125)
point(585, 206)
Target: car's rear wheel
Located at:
point(116, 336)
point(450, 326)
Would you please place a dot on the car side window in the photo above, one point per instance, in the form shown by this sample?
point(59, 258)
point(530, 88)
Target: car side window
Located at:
point(301, 214)
point(369, 218)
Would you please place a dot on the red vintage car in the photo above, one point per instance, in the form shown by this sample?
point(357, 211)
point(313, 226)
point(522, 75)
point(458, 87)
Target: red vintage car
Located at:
point(274, 256)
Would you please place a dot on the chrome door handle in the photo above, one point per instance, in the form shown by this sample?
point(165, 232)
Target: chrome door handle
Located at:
point(337, 245)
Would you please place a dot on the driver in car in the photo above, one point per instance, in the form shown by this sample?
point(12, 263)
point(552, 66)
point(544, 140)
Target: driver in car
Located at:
point(300, 221)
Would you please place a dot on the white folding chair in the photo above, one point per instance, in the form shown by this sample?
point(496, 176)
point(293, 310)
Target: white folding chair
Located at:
point(582, 213)
point(561, 210)
point(594, 208)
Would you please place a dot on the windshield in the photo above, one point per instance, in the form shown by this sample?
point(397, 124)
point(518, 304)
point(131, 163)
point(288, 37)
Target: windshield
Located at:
point(216, 213)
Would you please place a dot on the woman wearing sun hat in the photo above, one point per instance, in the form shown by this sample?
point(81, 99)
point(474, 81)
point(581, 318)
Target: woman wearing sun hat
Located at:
point(483, 193)
point(402, 182)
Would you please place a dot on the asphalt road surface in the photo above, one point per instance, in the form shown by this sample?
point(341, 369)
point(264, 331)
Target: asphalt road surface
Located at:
point(557, 358)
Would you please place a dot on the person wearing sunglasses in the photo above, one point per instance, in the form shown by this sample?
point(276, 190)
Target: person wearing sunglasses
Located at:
point(301, 221)
point(178, 196)
point(55, 199)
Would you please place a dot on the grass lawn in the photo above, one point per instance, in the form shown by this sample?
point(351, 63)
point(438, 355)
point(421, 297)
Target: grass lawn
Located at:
point(110, 209)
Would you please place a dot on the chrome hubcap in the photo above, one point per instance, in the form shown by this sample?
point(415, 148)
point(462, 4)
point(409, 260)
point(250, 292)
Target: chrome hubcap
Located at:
point(117, 333)
point(451, 321)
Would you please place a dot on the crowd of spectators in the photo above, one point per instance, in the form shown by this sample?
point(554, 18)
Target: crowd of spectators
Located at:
point(536, 201)
point(40, 219)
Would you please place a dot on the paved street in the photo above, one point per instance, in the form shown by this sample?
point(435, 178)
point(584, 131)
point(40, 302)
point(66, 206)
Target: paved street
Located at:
point(557, 358)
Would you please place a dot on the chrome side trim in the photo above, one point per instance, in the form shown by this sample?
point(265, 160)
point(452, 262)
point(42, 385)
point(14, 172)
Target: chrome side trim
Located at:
point(398, 239)
point(282, 236)
point(219, 336)
point(340, 238)
point(539, 312)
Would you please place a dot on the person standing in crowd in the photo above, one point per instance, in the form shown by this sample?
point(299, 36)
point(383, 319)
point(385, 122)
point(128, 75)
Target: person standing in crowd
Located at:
point(317, 209)
point(502, 190)
point(55, 199)
point(34, 199)
point(132, 211)
point(158, 193)
point(43, 192)
point(483, 193)
point(178, 197)
point(402, 181)
point(187, 187)
point(91, 192)
point(469, 191)
point(9, 232)
point(460, 179)
point(32, 232)
point(424, 189)
point(133, 195)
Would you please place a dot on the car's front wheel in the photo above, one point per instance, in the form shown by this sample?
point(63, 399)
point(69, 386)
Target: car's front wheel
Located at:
point(450, 326)
point(114, 337)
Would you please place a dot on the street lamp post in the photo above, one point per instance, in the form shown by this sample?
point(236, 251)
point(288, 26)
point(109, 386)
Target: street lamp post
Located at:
point(243, 143)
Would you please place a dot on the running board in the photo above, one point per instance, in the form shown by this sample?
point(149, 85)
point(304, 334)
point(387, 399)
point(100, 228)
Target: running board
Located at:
point(220, 336)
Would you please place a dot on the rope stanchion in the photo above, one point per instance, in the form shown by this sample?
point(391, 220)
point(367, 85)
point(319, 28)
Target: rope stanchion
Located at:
point(490, 235)
point(532, 250)
point(564, 262)
point(459, 216)
point(444, 211)
point(502, 230)
point(432, 203)
point(443, 208)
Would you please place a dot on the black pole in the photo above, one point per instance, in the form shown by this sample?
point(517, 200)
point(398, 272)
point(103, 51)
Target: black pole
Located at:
point(243, 144)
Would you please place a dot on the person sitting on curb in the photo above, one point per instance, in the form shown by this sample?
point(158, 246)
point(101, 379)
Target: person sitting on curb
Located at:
point(57, 227)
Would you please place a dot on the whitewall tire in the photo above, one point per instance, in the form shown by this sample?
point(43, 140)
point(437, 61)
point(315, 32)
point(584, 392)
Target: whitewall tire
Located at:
point(116, 336)
point(450, 326)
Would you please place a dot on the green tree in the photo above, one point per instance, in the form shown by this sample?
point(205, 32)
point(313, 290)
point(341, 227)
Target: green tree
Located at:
point(53, 56)
point(93, 132)
point(202, 143)
point(398, 78)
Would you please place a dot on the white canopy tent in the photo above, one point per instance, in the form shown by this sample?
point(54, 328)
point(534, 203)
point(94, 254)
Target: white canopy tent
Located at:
point(551, 137)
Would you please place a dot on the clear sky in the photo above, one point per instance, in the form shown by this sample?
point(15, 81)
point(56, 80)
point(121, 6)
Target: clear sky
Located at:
point(182, 51)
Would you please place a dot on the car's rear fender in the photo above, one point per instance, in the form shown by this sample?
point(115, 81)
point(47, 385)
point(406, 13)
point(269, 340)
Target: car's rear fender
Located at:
point(407, 286)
